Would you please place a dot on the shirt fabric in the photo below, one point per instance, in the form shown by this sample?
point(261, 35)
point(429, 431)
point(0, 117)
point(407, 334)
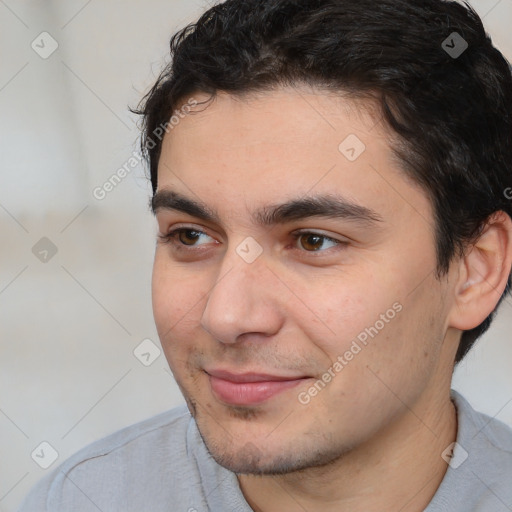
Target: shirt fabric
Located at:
point(163, 465)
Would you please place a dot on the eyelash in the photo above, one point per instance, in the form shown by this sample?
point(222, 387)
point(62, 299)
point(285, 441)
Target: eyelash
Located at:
point(170, 239)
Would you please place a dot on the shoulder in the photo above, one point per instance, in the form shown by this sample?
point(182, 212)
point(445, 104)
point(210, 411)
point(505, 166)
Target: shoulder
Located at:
point(482, 433)
point(488, 429)
point(480, 470)
point(168, 428)
point(489, 447)
point(127, 459)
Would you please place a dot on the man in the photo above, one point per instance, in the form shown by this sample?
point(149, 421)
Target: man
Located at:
point(334, 234)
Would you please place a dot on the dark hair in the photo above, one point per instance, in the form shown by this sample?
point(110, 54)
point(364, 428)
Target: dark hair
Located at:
point(450, 114)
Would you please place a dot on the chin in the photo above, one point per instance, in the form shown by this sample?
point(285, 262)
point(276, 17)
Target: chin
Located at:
point(250, 459)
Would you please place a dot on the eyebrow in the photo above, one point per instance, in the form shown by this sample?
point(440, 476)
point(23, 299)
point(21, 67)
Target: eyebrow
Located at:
point(329, 206)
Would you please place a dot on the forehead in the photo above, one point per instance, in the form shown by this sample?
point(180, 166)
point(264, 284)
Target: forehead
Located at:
point(272, 146)
point(287, 115)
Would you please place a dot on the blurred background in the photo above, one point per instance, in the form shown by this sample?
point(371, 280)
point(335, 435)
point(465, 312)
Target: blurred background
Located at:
point(80, 356)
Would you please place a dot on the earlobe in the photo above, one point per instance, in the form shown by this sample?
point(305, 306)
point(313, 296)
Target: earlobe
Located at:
point(483, 274)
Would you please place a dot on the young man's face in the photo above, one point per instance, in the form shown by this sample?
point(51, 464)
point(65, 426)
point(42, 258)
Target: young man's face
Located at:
point(251, 315)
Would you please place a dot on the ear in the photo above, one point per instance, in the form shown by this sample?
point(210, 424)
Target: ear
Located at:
point(483, 274)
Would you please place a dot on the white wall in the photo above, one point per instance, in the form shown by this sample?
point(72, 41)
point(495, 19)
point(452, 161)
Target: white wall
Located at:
point(68, 327)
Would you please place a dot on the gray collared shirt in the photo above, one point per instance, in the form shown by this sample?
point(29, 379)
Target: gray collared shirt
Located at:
point(162, 464)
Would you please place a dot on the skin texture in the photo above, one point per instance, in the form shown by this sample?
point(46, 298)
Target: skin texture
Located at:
point(295, 310)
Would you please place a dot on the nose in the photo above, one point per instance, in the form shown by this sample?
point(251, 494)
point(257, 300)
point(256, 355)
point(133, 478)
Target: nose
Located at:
point(245, 299)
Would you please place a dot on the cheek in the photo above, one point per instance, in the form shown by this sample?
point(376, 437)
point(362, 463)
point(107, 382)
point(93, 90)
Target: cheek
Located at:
point(400, 355)
point(175, 311)
point(341, 311)
point(175, 298)
point(375, 334)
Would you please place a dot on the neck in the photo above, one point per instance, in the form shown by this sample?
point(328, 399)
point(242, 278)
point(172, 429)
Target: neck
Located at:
point(398, 469)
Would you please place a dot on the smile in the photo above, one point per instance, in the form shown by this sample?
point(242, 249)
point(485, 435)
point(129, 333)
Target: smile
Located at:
point(249, 388)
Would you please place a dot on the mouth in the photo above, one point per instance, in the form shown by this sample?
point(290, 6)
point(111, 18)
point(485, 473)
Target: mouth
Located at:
point(250, 388)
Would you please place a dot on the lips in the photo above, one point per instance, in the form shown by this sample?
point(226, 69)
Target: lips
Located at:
point(250, 388)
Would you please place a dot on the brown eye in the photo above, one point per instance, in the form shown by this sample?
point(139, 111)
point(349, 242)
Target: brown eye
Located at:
point(185, 239)
point(312, 242)
point(316, 242)
point(188, 236)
